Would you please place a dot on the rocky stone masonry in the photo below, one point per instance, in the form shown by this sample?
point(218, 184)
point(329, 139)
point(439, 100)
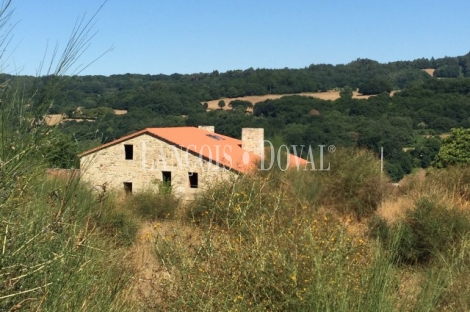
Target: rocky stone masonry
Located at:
point(252, 140)
point(150, 158)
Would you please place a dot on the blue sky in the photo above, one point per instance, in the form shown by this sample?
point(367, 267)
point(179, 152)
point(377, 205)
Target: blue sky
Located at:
point(189, 36)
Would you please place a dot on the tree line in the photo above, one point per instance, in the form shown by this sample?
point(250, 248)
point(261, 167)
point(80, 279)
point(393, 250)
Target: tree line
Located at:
point(180, 94)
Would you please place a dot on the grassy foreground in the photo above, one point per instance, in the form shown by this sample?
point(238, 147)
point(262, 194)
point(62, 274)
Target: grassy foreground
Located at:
point(56, 256)
point(303, 241)
point(276, 241)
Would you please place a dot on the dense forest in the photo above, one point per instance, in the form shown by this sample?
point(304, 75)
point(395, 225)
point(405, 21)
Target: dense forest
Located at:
point(407, 124)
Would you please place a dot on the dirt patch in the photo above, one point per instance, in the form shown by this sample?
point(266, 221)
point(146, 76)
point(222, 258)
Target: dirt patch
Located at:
point(146, 282)
point(150, 273)
point(54, 119)
point(314, 112)
point(442, 135)
point(330, 95)
point(120, 111)
point(430, 71)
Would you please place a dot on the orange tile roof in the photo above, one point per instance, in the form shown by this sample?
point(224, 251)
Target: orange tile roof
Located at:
point(217, 148)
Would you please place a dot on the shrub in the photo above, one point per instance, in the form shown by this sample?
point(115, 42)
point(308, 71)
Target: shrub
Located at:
point(454, 180)
point(115, 219)
point(378, 228)
point(352, 186)
point(427, 231)
point(229, 204)
point(257, 243)
point(260, 250)
point(304, 186)
point(151, 206)
point(121, 225)
point(354, 183)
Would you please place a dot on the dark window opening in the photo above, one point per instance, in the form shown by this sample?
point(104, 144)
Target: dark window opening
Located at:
point(166, 177)
point(128, 188)
point(193, 179)
point(129, 151)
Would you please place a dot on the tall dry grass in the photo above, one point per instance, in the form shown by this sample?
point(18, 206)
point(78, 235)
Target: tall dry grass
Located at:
point(55, 254)
point(283, 241)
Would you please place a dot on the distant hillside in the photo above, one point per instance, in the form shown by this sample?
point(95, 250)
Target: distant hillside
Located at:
point(181, 94)
point(424, 106)
point(329, 95)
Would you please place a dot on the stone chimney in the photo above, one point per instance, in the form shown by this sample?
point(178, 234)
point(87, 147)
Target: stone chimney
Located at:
point(207, 128)
point(253, 140)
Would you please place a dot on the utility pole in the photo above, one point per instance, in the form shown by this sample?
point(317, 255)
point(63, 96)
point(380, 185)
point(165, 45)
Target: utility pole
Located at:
point(381, 161)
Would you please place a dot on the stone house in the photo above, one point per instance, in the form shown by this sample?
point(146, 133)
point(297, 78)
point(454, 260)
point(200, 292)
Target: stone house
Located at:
point(186, 158)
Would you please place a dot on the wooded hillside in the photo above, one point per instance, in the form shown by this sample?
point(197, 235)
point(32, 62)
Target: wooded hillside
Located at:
point(421, 108)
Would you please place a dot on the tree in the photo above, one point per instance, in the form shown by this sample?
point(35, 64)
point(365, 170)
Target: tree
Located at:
point(346, 93)
point(221, 104)
point(239, 104)
point(376, 86)
point(425, 151)
point(266, 109)
point(60, 151)
point(449, 71)
point(394, 171)
point(454, 150)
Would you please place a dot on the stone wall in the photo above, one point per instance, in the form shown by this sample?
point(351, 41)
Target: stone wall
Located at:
point(150, 158)
point(207, 128)
point(253, 140)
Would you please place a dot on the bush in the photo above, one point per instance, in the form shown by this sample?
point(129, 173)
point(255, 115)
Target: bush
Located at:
point(378, 228)
point(151, 206)
point(229, 204)
point(427, 231)
point(354, 183)
point(260, 243)
point(119, 224)
point(261, 249)
point(454, 181)
point(352, 186)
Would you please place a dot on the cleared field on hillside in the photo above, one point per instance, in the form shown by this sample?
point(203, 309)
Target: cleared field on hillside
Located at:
point(330, 95)
point(54, 119)
point(120, 111)
point(430, 71)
